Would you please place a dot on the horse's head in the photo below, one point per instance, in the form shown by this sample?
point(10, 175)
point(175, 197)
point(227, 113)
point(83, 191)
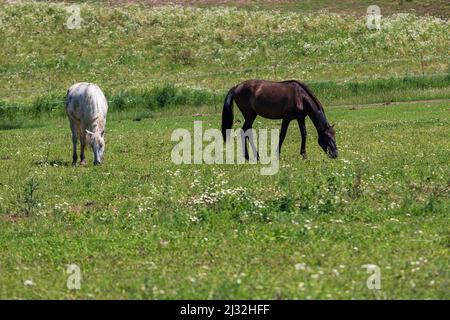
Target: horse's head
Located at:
point(97, 141)
point(327, 140)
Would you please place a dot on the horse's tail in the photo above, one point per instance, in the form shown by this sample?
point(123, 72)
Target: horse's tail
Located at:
point(311, 94)
point(227, 114)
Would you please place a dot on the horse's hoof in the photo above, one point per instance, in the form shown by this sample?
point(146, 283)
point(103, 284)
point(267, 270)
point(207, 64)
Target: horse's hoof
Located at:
point(83, 163)
point(304, 157)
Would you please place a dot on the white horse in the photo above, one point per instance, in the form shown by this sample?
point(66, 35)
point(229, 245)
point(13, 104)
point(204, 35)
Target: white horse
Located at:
point(86, 107)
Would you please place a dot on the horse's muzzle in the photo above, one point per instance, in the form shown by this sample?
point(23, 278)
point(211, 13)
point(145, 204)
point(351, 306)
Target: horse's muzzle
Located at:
point(332, 154)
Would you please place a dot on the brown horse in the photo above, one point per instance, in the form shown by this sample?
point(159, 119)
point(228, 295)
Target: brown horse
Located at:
point(287, 100)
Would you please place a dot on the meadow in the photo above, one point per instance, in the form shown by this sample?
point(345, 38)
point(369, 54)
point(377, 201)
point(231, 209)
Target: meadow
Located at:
point(141, 227)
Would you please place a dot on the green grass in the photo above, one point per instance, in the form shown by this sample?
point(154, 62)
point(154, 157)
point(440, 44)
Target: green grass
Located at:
point(138, 228)
point(142, 103)
point(141, 227)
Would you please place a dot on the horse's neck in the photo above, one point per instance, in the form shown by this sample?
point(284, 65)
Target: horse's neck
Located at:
point(97, 112)
point(97, 125)
point(315, 112)
point(319, 120)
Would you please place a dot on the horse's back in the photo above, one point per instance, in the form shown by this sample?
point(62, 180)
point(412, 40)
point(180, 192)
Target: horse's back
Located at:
point(86, 101)
point(267, 98)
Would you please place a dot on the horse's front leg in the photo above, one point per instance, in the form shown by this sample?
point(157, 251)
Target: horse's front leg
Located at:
point(83, 147)
point(73, 128)
point(284, 127)
point(302, 126)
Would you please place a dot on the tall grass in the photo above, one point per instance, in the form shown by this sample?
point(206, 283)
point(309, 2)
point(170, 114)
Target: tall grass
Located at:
point(384, 90)
point(204, 48)
point(144, 101)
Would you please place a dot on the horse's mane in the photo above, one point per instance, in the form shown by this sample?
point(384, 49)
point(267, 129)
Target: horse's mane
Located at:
point(309, 92)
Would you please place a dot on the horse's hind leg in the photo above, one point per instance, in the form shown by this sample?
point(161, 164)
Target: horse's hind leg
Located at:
point(83, 146)
point(244, 139)
point(284, 127)
point(302, 126)
point(248, 135)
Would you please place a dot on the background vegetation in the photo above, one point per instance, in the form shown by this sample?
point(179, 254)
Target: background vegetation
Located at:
point(213, 48)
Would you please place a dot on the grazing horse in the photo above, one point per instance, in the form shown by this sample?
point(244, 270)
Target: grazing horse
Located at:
point(86, 107)
point(287, 100)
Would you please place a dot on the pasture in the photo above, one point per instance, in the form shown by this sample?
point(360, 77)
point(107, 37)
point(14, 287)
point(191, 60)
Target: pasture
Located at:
point(141, 227)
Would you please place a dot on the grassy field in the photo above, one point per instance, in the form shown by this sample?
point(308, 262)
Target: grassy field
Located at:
point(140, 226)
point(209, 48)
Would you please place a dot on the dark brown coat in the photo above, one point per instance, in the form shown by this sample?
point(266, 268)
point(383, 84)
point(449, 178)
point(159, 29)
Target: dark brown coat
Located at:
point(287, 100)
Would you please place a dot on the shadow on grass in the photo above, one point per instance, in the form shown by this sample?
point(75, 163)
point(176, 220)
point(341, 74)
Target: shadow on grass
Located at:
point(53, 163)
point(17, 124)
